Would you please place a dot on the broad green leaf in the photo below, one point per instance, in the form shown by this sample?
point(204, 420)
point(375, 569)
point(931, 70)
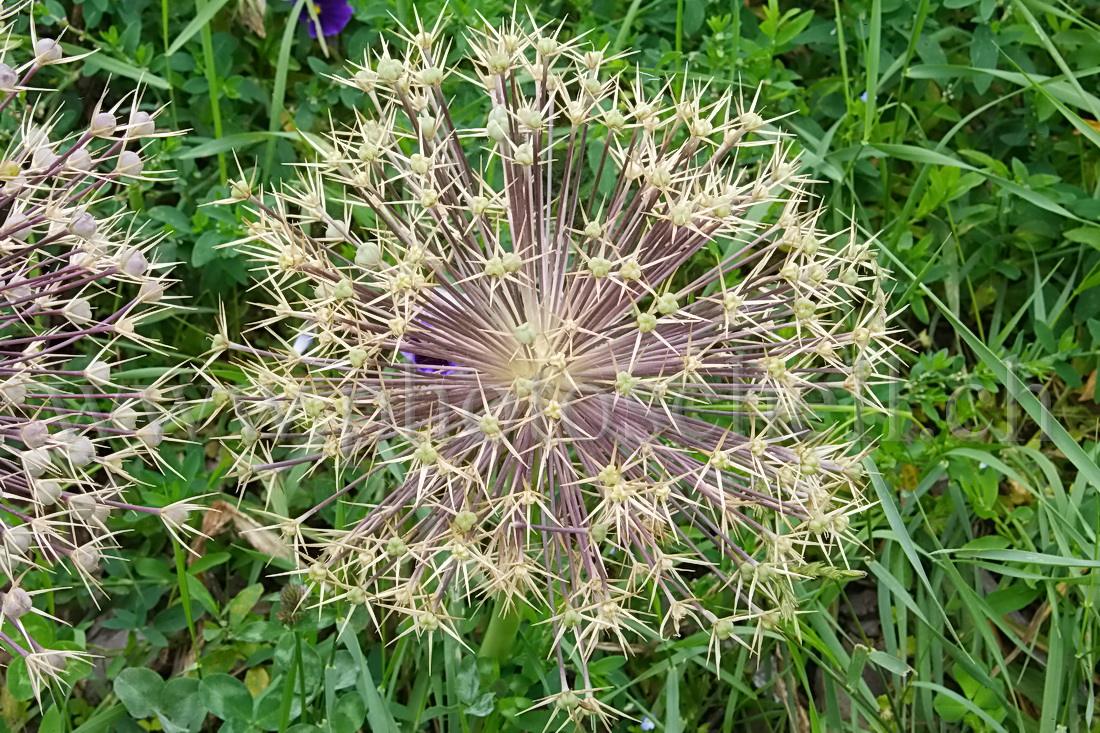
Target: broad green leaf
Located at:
point(350, 713)
point(483, 706)
point(956, 704)
point(179, 706)
point(244, 601)
point(101, 61)
point(230, 142)
point(467, 680)
point(208, 561)
point(226, 697)
point(1085, 235)
point(17, 680)
point(139, 689)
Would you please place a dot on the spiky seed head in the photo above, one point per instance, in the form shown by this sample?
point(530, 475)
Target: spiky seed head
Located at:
point(77, 284)
point(571, 393)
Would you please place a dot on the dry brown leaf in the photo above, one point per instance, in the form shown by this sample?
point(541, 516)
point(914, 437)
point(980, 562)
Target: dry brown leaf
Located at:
point(1088, 392)
point(256, 679)
point(910, 476)
point(221, 514)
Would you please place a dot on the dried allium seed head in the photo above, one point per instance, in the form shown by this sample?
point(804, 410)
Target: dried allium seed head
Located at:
point(75, 284)
point(576, 410)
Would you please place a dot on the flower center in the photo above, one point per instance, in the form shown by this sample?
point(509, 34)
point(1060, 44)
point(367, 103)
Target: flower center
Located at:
point(545, 362)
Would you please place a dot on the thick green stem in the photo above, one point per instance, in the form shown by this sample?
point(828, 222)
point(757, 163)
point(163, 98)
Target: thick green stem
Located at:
point(500, 638)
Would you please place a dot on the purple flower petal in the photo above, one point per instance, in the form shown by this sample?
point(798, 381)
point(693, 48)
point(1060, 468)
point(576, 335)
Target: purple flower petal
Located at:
point(333, 15)
point(428, 364)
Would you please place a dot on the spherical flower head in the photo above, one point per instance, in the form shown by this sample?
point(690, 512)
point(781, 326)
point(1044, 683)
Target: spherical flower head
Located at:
point(103, 123)
point(16, 603)
point(572, 407)
point(9, 79)
point(47, 51)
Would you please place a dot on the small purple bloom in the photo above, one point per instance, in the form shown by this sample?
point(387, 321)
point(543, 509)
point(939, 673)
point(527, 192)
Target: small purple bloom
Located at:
point(428, 364)
point(647, 723)
point(863, 97)
point(333, 15)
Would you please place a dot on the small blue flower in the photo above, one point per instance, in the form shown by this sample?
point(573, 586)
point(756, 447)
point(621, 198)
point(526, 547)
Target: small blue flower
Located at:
point(863, 97)
point(332, 15)
point(647, 723)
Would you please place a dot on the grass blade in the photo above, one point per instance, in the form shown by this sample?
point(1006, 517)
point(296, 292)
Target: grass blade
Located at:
point(278, 93)
point(214, 87)
point(378, 713)
point(229, 142)
point(874, 50)
point(968, 704)
point(888, 502)
point(116, 67)
point(197, 23)
point(674, 722)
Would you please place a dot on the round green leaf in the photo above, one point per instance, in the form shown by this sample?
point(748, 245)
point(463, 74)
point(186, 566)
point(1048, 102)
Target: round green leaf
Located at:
point(350, 713)
point(180, 706)
point(226, 697)
point(311, 664)
point(139, 689)
point(18, 681)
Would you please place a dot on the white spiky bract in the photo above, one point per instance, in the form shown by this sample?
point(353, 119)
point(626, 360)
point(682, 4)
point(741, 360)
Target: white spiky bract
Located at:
point(75, 284)
point(514, 317)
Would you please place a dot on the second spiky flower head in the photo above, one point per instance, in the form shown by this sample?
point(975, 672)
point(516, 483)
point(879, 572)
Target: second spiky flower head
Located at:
point(517, 318)
point(76, 283)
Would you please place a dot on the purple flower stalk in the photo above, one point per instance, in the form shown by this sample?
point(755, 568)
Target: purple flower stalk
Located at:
point(635, 308)
point(75, 284)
